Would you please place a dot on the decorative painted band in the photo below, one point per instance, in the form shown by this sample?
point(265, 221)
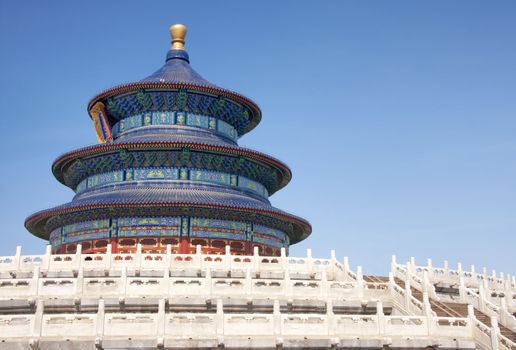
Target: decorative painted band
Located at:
point(172, 174)
point(37, 222)
point(191, 227)
point(174, 118)
point(60, 164)
point(256, 113)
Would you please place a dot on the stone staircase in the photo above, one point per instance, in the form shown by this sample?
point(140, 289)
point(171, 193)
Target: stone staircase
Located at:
point(444, 309)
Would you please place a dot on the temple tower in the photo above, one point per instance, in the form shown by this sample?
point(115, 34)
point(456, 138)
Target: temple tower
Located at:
point(167, 170)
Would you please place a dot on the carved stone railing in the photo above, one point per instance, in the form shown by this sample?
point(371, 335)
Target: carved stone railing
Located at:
point(162, 328)
point(425, 277)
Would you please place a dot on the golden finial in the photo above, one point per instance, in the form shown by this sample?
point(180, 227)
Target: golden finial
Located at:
point(178, 33)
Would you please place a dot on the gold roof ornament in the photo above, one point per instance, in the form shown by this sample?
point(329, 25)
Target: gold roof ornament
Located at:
point(178, 33)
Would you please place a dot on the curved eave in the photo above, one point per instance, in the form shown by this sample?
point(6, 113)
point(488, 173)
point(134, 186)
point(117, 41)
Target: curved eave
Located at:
point(132, 87)
point(36, 222)
point(61, 163)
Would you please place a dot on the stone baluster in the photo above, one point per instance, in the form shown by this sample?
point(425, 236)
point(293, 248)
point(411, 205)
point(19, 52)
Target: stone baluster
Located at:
point(79, 282)
point(227, 257)
point(289, 288)
point(108, 257)
point(123, 281)
point(472, 319)
point(78, 256)
point(17, 260)
point(446, 268)
point(482, 297)
point(392, 283)
point(360, 282)
point(330, 317)
point(38, 324)
point(495, 333)
point(323, 284)
point(484, 273)
point(276, 317)
point(427, 309)
point(413, 265)
point(138, 257)
point(45, 264)
point(462, 289)
point(209, 283)
point(381, 317)
point(248, 282)
point(474, 276)
point(345, 266)
point(99, 332)
point(168, 255)
point(333, 261)
point(309, 260)
point(220, 318)
point(35, 281)
point(408, 294)
point(283, 259)
point(256, 259)
point(394, 264)
point(166, 280)
point(161, 322)
point(430, 269)
point(504, 312)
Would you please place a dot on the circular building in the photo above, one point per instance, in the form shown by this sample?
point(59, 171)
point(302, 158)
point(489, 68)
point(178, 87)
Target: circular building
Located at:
point(168, 171)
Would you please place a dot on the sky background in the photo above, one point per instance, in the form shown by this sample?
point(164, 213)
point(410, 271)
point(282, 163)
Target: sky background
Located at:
point(397, 118)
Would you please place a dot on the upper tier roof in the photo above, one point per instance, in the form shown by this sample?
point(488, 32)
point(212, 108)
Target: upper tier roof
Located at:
point(159, 91)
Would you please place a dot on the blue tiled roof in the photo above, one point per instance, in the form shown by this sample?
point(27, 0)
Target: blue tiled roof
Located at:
point(177, 70)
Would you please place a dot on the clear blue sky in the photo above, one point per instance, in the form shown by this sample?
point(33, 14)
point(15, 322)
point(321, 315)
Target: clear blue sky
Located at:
point(396, 117)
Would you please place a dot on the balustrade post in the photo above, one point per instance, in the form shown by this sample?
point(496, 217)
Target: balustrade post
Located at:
point(35, 281)
point(160, 324)
point(276, 317)
point(220, 318)
point(227, 258)
point(474, 276)
point(462, 289)
point(38, 323)
point(430, 269)
point(45, 265)
point(507, 289)
point(345, 266)
point(123, 281)
point(392, 283)
point(17, 257)
point(446, 270)
point(309, 260)
point(248, 282)
point(289, 291)
point(484, 273)
point(138, 258)
point(408, 294)
point(360, 282)
point(166, 280)
point(256, 259)
point(394, 264)
point(78, 256)
point(503, 311)
point(381, 317)
point(101, 313)
point(209, 283)
point(168, 255)
point(413, 264)
point(283, 258)
point(495, 333)
point(79, 282)
point(108, 256)
point(481, 298)
point(427, 309)
point(471, 320)
point(330, 317)
point(333, 261)
point(323, 287)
